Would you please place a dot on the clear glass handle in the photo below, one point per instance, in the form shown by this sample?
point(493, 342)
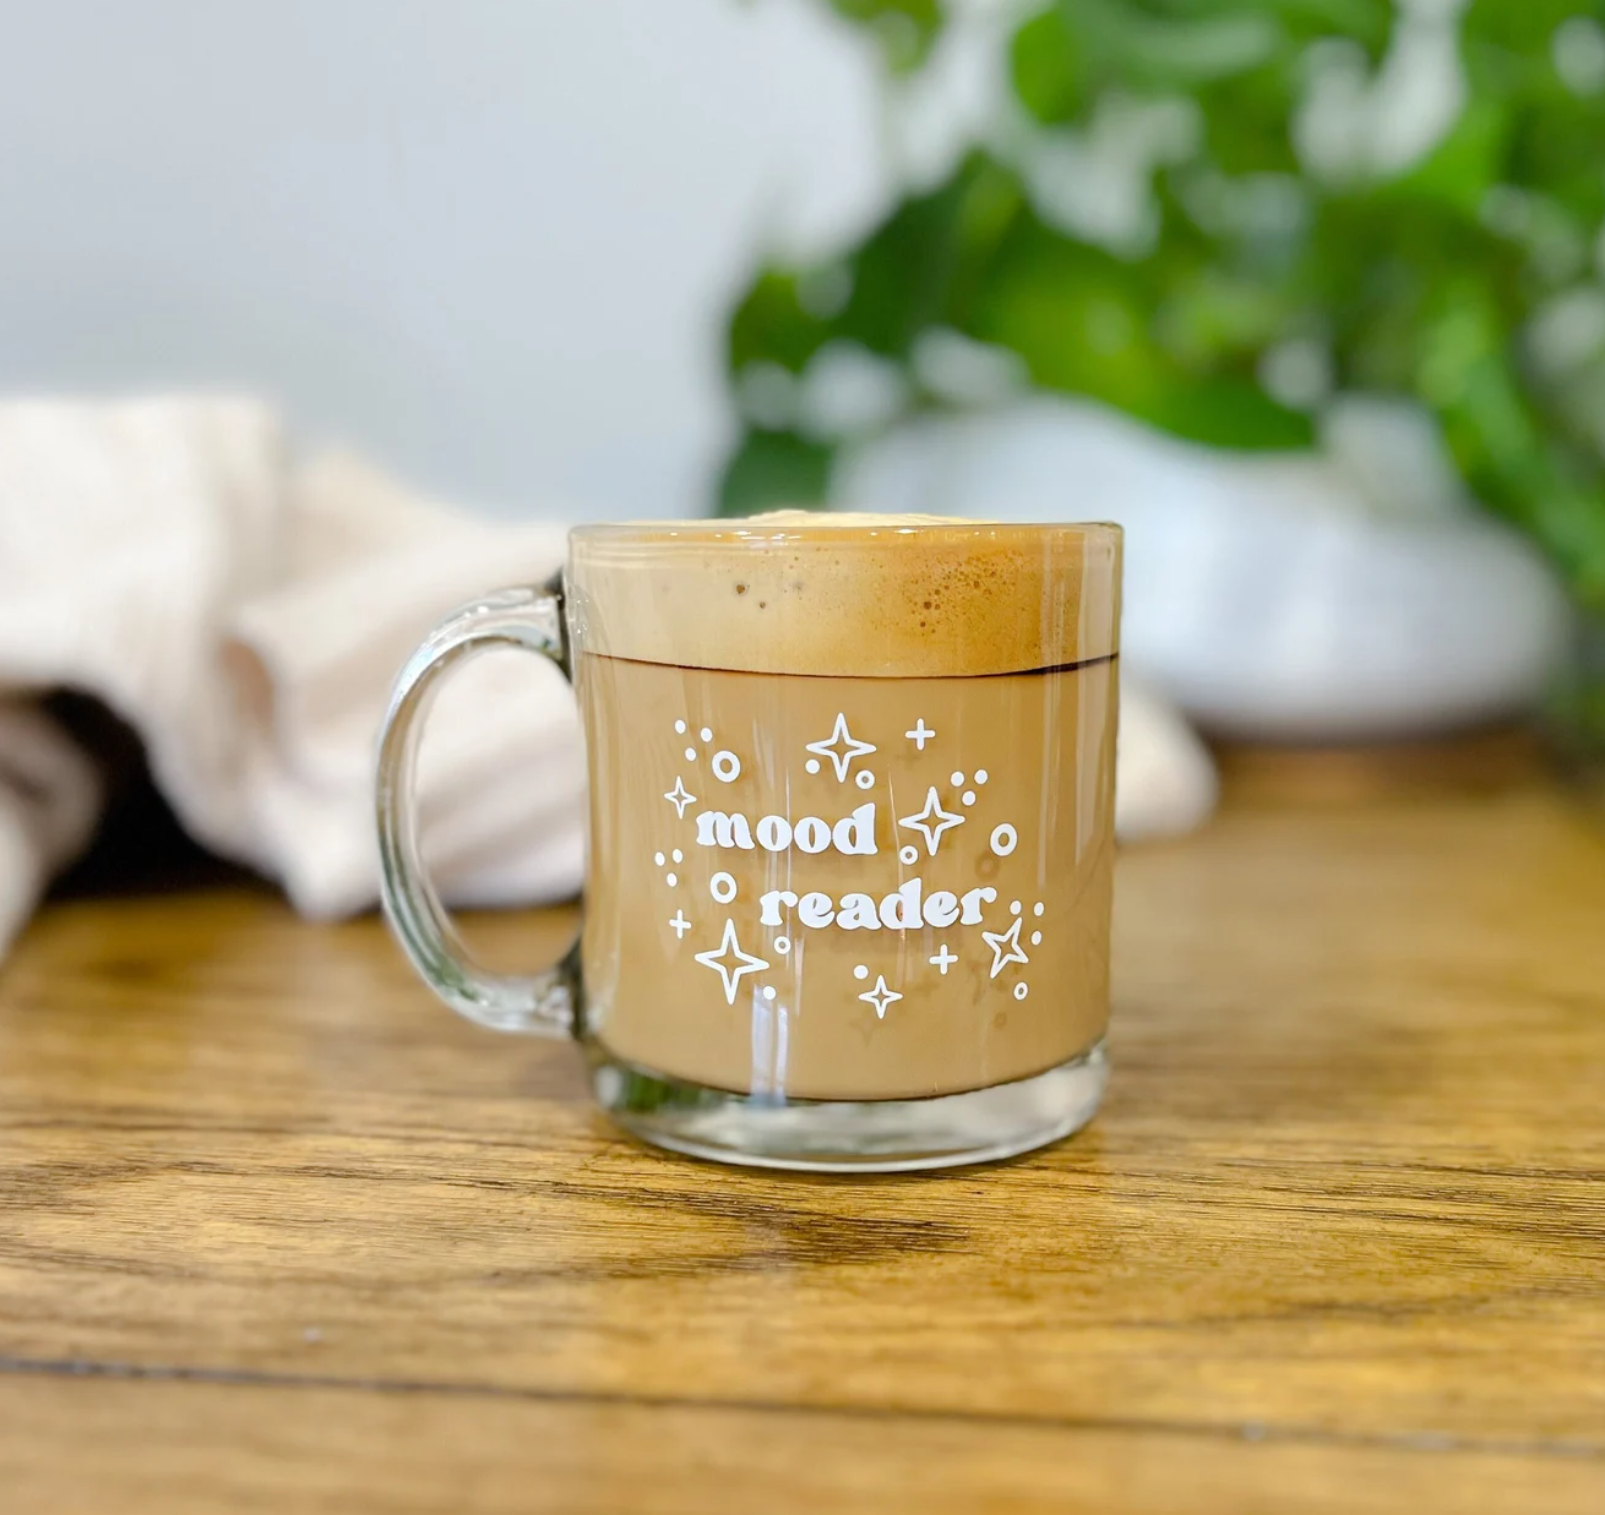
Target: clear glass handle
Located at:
point(545, 1003)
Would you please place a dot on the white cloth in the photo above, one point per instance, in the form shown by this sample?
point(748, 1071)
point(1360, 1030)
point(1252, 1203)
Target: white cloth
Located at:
point(246, 616)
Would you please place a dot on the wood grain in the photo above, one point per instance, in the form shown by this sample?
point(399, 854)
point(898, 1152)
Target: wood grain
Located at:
point(276, 1231)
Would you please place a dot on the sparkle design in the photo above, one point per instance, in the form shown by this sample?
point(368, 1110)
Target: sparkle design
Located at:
point(1005, 947)
point(932, 821)
point(880, 997)
point(680, 923)
point(680, 797)
point(944, 960)
point(841, 748)
point(730, 962)
point(921, 734)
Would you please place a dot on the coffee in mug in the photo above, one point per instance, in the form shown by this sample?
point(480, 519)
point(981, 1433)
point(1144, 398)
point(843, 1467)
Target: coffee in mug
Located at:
point(851, 832)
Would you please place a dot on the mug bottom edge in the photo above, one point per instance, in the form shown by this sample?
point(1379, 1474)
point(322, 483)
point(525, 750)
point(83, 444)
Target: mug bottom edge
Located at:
point(848, 1136)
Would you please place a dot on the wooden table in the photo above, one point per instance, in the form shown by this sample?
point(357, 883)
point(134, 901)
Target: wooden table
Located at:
point(278, 1233)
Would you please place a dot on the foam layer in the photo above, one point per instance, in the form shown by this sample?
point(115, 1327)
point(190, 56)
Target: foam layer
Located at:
point(847, 595)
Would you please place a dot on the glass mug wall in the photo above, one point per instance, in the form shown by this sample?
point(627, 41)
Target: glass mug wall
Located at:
point(851, 832)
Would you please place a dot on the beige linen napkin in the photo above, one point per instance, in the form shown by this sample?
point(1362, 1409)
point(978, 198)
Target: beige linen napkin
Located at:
point(246, 616)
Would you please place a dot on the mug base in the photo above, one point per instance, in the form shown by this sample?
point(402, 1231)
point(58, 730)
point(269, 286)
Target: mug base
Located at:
point(851, 1136)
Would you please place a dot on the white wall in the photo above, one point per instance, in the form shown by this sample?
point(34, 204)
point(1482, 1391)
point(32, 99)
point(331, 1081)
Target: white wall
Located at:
point(489, 243)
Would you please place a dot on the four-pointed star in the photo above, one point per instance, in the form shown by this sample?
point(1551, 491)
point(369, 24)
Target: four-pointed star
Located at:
point(932, 821)
point(841, 748)
point(880, 997)
point(730, 962)
point(998, 940)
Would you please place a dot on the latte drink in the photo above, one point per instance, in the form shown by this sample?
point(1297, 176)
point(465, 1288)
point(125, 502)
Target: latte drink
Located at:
point(851, 807)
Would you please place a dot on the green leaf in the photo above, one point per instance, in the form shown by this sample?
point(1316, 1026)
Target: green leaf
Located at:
point(1133, 47)
point(774, 470)
point(1228, 410)
point(916, 268)
point(905, 28)
point(1047, 69)
point(1461, 170)
point(771, 323)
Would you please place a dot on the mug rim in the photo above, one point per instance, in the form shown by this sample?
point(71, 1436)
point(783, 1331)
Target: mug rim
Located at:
point(834, 529)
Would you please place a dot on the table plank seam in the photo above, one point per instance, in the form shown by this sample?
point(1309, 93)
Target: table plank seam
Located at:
point(1425, 1443)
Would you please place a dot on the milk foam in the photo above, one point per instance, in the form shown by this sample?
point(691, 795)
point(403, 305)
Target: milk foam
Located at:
point(848, 595)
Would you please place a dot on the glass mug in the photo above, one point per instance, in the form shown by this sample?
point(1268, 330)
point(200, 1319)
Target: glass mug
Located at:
point(851, 832)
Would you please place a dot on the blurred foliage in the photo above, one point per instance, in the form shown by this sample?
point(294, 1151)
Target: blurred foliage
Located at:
point(1278, 250)
point(904, 28)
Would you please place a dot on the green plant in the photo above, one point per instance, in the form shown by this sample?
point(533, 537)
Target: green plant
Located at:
point(1280, 251)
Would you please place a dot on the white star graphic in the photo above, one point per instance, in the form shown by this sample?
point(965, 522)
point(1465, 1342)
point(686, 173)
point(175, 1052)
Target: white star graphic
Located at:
point(880, 997)
point(719, 961)
point(680, 797)
point(932, 821)
point(998, 940)
point(849, 748)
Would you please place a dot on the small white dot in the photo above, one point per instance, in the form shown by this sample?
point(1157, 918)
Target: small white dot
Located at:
point(726, 767)
point(1004, 839)
point(980, 775)
point(768, 991)
point(910, 855)
point(782, 945)
point(1021, 990)
point(706, 734)
point(722, 886)
point(679, 726)
point(1036, 938)
point(1014, 907)
point(1036, 909)
point(865, 779)
point(671, 878)
point(812, 765)
point(968, 796)
point(657, 857)
point(958, 779)
point(691, 754)
point(860, 971)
